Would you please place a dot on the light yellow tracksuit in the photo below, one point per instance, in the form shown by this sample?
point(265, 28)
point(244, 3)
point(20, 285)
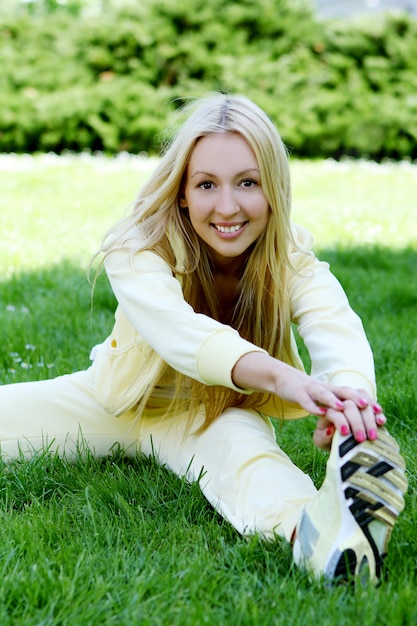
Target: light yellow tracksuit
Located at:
point(241, 469)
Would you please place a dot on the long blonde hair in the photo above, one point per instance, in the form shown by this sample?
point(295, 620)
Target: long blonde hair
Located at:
point(261, 314)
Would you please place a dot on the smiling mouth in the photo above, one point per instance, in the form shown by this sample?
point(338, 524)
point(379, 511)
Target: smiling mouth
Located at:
point(229, 229)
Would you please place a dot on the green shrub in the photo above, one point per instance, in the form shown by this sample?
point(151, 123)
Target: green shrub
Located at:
point(110, 81)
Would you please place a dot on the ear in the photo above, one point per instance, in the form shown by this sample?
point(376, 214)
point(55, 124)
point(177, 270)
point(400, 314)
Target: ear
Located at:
point(182, 202)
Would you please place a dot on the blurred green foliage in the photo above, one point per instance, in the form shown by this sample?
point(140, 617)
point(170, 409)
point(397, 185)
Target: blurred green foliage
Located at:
point(108, 80)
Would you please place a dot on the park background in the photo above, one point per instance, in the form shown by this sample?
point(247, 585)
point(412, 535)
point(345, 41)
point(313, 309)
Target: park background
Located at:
point(86, 89)
point(105, 75)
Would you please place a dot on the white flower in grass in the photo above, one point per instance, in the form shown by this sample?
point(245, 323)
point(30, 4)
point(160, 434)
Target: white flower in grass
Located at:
point(30, 346)
point(43, 364)
point(25, 366)
point(12, 309)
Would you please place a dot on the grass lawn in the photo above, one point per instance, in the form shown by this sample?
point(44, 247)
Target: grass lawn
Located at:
point(112, 541)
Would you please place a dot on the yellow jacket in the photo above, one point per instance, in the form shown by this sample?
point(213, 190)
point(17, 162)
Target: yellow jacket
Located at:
point(154, 325)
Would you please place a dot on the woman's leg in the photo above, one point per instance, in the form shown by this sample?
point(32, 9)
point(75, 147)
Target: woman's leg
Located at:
point(61, 413)
point(342, 530)
point(243, 472)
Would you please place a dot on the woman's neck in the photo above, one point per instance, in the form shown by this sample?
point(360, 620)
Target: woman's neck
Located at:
point(229, 267)
point(227, 294)
point(227, 273)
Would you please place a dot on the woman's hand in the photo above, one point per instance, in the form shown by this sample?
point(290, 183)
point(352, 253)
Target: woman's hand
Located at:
point(343, 408)
point(363, 421)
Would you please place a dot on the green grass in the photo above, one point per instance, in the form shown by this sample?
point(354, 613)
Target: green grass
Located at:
point(113, 541)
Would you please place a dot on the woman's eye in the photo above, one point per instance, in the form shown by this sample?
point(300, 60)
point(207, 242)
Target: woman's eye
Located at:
point(248, 182)
point(206, 185)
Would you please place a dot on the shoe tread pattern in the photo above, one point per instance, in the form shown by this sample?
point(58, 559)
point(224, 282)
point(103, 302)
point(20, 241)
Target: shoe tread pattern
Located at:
point(374, 485)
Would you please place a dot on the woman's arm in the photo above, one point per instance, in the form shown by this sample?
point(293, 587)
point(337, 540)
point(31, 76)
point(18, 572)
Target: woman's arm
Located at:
point(336, 342)
point(152, 301)
point(331, 331)
point(344, 408)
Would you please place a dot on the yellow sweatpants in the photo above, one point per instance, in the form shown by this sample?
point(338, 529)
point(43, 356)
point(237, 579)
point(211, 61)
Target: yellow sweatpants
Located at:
point(241, 469)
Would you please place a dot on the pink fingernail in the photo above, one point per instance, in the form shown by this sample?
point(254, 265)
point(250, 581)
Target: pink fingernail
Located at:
point(381, 419)
point(329, 431)
point(360, 436)
point(344, 430)
point(372, 434)
point(339, 404)
point(363, 403)
point(377, 408)
point(323, 410)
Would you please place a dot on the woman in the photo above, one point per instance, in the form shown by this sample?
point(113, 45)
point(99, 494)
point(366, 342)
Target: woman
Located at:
point(209, 274)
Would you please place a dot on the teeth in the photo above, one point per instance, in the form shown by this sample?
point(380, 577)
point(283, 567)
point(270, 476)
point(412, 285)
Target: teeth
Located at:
point(228, 229)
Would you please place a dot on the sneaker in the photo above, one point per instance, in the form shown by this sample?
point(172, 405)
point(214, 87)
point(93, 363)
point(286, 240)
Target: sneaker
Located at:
point(344, 531)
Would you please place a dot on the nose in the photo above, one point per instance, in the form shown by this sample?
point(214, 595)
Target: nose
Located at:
point(227, 204)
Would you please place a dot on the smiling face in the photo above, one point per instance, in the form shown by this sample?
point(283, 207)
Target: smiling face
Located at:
point(223, 193)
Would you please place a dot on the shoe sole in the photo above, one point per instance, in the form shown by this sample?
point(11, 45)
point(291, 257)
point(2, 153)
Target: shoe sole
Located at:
point(372, 483)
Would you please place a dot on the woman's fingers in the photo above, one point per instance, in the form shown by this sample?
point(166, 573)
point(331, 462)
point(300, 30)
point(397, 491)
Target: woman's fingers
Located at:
point(323, 435)
point(362, 423)
point(317, 398)
point(349, 411)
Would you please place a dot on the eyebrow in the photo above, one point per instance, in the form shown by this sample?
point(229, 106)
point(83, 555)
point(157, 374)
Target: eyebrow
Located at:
point(209, 174)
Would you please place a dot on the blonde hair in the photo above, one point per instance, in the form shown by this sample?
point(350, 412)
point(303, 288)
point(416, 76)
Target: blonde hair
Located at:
point(261, 314)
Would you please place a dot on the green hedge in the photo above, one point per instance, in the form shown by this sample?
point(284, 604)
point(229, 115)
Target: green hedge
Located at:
point(111, 81)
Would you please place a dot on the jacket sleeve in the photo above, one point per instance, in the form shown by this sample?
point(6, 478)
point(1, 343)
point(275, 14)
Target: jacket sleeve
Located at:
point(331, 331)
point(152, 300)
